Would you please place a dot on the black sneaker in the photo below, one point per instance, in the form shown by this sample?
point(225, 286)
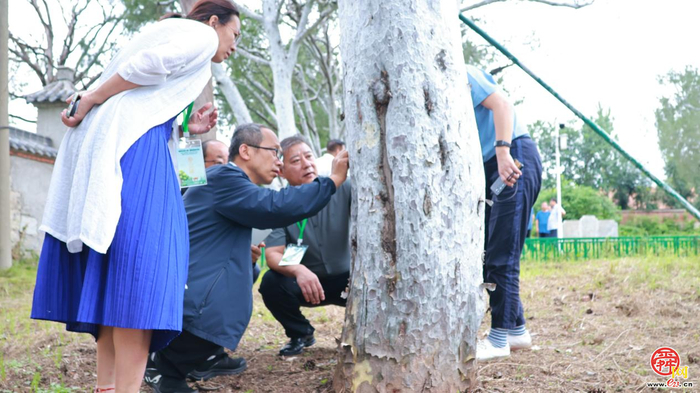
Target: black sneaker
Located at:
point(296, 345)
point(225, 366)
point(155, 380)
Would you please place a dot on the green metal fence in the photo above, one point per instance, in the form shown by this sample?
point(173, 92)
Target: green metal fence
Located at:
point(549, 249)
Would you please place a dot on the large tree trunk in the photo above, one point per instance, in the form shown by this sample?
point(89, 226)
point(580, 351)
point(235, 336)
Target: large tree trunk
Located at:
point(415, 303)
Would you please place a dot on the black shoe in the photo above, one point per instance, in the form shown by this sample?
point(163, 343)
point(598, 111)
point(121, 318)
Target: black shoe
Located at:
point(155, 380)
point(296, 345)
point(225, 366)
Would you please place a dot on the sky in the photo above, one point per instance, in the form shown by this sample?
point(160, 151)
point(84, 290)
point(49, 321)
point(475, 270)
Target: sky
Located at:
point(610, 53)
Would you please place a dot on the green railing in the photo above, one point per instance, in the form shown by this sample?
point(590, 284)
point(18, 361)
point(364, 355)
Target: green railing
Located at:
point(549, 249)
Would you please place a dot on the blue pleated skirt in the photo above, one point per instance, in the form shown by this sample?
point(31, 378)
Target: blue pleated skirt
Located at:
point(140, 282)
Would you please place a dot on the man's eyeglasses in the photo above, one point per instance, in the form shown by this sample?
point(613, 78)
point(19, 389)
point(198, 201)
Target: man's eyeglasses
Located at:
point(277, 152)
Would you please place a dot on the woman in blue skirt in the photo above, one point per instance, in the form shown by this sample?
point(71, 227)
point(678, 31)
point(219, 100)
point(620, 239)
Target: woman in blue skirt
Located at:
point(115, 256)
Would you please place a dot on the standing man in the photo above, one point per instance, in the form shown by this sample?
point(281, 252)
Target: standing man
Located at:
point(542, 218)
point(221, 214)
point(503, 139)
point(556, 213)
point(322, 274)
point(323, 164)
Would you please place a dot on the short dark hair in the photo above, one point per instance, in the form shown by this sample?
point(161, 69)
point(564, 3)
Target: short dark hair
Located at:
point(334, 144)
point(245, 134)
point(293, 140)
point(553, 199)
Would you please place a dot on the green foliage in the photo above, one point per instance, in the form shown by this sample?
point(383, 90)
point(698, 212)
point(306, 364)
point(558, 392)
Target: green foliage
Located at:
point(655, 226)
point(590, 161)
point(678, 125)
point(579, 200)
point(139, 13)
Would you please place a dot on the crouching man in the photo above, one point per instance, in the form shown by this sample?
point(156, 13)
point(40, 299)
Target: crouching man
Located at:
point(319, 276)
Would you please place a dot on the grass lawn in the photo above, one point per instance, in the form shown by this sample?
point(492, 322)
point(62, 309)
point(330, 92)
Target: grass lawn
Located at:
point(595, 325)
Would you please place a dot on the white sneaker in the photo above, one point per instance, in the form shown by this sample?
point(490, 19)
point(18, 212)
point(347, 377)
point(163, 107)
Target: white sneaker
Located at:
point(523, 341)
point(485, 351)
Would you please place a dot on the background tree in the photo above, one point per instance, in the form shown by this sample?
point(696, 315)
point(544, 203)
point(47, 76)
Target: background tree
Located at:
point(415, 304)
point(590, 161)
point(579, 200)
point(678, 124)
point(80, 35)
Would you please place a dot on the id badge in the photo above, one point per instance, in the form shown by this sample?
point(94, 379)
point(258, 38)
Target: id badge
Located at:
point(293, 255)
point(190, 163)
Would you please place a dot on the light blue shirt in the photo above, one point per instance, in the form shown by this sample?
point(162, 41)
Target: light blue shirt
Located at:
point(482, 85)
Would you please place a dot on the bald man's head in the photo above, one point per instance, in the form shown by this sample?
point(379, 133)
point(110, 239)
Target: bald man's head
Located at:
point(215, 153)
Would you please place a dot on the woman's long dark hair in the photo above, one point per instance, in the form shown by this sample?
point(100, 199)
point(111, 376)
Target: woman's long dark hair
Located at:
point(205, 9)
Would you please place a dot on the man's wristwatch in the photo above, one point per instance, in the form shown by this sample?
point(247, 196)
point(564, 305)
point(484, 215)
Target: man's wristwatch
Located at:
point(500, 143)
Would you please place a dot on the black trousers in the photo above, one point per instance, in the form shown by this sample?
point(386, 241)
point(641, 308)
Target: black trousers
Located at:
point(506, 224)
point(283, 297)
point(186, 353)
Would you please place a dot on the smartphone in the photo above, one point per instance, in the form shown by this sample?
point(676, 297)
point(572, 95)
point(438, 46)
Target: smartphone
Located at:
point(73, 107)
point(498, 186)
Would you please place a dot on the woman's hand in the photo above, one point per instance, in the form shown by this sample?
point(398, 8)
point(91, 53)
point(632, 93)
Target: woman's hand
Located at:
point(85, 104)
point(507, 170)
point(201, 122)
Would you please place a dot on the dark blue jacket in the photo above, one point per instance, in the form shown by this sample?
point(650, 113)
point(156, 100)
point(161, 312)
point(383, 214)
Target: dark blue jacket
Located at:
point(221, 216)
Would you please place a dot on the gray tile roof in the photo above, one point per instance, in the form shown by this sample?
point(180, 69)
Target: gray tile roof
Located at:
point(32, 143)
point(58, 91)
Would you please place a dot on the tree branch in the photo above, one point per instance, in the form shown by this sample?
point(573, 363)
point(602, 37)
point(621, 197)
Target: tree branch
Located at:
point(22, 118)
point(576, 4)
point(86, 85)
point(24, 57)
point(268, 94)
point(311, 28)
point(252, 57)
point(262, 101)
point(250, 14)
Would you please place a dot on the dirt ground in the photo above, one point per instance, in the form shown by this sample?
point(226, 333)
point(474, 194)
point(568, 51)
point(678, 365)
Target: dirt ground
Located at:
point(595, 325)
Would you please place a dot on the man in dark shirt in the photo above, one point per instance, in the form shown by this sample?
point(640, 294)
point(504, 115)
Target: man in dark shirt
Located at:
point(322, 274)
point(221, 216)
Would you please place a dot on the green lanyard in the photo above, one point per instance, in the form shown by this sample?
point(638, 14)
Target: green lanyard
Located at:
point(301, 227)
point(186, 121)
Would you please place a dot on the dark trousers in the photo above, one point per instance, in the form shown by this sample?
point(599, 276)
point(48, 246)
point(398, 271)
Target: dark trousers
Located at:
point(184, 354)
point(553, 233)
point(282, 296)
point(506, 227)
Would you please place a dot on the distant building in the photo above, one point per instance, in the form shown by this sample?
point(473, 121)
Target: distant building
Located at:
point(32, 156)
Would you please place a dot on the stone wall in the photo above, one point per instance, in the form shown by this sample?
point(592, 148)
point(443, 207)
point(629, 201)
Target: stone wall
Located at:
point(590, 226)
point(29, 185)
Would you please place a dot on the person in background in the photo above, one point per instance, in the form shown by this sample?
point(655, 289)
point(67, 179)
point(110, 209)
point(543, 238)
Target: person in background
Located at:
point(504, 139)
point(530, 221)
point(542, 218)
point(323, 163)
point(115, 255)
point(556, 214)
point(215, 153)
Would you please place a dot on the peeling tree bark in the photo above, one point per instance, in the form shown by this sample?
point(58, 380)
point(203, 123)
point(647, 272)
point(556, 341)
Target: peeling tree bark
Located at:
point(415, 303)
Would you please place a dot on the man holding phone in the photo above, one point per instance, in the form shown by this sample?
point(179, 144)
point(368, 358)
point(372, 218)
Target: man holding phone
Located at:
point(513, 171)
